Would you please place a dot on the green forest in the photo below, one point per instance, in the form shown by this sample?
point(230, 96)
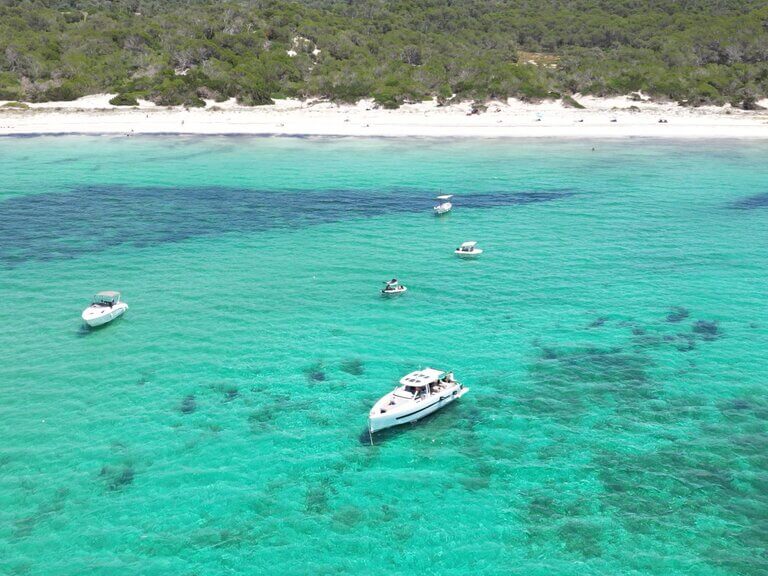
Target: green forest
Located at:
point(178, 52)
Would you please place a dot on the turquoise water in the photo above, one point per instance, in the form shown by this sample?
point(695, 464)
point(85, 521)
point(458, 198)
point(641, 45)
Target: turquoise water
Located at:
point(613, 336)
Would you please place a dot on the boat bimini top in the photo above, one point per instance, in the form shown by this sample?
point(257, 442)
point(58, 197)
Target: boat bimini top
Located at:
point(109, 296)
point(421, 378)
point(468, 246)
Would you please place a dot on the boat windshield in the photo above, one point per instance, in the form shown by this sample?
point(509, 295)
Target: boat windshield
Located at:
point(408, 392)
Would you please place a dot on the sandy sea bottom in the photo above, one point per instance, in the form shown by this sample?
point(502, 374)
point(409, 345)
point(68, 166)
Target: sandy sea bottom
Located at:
point(613, 335)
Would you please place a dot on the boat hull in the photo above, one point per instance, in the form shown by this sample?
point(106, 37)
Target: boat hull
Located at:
point(416, 410)
point(98, 316)
point(472, 254)
point(394, 292)
point(442, 208)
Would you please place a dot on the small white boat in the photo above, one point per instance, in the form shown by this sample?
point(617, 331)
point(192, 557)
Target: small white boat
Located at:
point(105, 307)
point(468, 250)
point(445, 204)
point(393, 287)
point(420, 393)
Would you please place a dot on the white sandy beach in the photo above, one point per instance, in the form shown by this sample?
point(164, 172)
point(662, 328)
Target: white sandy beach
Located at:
point(602, 118)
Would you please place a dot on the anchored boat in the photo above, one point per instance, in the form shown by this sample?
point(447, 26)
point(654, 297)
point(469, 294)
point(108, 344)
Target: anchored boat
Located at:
point(445, 204)
point(468, 250)
point(420, 393)
point(105, 307)
point(393, 287)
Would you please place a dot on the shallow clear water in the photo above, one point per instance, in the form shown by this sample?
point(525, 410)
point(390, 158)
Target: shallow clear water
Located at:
point(613, 336)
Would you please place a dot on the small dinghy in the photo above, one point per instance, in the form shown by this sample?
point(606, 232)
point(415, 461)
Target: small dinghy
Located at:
point(468, 250)
point(393, 287)
point(105, 307)
point(445, 204)
point(420, 393)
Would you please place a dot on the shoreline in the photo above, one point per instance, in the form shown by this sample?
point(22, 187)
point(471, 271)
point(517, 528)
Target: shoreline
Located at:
point(601, 118)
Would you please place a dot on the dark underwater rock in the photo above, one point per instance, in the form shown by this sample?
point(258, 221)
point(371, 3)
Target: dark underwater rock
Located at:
point(706, 329)
point(117, 478)
point(316, 501)
point(597, 322)
point(231, 394)
point(740, 404)
point(315, 372)
point(188, 404)
point(677, 314)
point(260, 420)
point(549, 354)
point(592, 364)
point(353, 367)
point(685, 342)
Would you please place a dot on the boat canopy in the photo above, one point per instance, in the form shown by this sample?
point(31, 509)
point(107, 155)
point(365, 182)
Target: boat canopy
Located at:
point(107, 295)
point(421, 378)
point(470, 244)
point(444, 197)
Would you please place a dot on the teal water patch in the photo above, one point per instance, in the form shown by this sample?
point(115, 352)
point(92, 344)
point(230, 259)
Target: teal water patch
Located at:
point(613, 338)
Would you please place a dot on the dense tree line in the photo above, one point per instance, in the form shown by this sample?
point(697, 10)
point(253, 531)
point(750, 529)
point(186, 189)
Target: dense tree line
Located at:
point(178, 52)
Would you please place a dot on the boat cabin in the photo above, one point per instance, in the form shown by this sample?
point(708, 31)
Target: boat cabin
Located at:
point(106, 298)
point(467, 247)
point(423, 383)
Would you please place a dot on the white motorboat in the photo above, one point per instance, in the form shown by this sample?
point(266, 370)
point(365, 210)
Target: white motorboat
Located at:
point(105, 307)
point(420, 393)
point(445, 204)
point(393, 287)
point(468, 250)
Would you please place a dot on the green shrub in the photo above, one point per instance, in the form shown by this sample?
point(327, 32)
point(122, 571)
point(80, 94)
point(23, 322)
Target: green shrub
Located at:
point(388, 97)
point(66, 92)
point(10, 92)
point(124, 100)
point(15, 105)
point(254, 98)
point(570, 102)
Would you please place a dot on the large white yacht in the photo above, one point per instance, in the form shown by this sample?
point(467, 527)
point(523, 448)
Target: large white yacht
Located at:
point(420, 393)
point(105, 307)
